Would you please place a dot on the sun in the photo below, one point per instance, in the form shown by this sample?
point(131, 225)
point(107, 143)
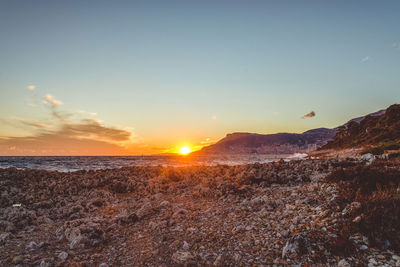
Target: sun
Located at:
point(185, 150)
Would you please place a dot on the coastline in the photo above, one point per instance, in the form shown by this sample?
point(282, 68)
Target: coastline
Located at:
point(254, 214)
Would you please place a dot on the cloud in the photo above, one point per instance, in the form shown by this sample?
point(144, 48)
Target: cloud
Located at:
point(26, 125)
point(309, 115)
point(65, 135)
point(396, 45)
point(35, 123)
point(365, 59)
point(86, 137)
point(31, 99)
point(214, 117)
point(31, 87)
point(54, 144)
point(93, 129)
point(207, 141)
point(87, 112)
point(51, 101)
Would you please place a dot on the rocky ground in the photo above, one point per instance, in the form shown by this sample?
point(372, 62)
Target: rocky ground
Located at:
point(281, 213)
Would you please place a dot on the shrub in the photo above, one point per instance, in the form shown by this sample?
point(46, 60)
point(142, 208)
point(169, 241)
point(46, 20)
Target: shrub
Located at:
point(376, 188)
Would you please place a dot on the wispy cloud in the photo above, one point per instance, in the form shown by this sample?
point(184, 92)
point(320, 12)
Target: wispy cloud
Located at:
point(309, 115)
point(214, 117)
point(50, 100)
point(82, 112)
point(93, 129)
point(34, 123)
point(31, 87)
point(65, 134)
point(53, 104)
point(56, 144)
point(365, 59)
point(207, 141)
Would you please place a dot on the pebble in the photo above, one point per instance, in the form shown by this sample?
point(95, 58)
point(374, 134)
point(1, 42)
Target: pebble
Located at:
point(63, 255)
point(32, 245)
point(44, 263)
point(343, 263)
point(18, 259)
point(185, 245)
point(182, 257)
point(357, 219)
point(164, 203)
point(372, 261)
point(4, 237)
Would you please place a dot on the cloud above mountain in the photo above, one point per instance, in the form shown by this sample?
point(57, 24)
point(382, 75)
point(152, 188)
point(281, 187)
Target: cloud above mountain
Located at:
point(309, 115)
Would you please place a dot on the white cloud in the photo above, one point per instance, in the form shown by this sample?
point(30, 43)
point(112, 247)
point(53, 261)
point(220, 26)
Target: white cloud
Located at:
point(365, 59)
point(31, 87)
point(87, 112)
point(207, 141)
point(50, 100)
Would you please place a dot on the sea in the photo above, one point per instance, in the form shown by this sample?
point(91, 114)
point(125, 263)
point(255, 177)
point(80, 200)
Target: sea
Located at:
point(75, 163)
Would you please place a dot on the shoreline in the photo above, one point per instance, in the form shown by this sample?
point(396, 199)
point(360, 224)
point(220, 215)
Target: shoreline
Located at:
point(279, 213)
point(72, 163)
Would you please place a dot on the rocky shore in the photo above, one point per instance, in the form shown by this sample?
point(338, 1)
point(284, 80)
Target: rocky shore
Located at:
point(280, 213)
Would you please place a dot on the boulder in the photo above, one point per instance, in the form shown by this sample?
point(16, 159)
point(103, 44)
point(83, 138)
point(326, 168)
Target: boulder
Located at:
point(297, 246)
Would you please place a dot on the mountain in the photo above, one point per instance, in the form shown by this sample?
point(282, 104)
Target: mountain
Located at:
point(359, 119)
point(380, 132)
point(280, 143)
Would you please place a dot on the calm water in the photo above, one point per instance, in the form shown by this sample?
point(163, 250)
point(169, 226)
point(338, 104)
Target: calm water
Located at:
point(67, 164)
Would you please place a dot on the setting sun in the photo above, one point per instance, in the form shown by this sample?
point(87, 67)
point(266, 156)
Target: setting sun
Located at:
point(185, 150)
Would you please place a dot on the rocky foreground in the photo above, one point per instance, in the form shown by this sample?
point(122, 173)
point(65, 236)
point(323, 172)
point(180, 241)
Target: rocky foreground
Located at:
point(281, 213)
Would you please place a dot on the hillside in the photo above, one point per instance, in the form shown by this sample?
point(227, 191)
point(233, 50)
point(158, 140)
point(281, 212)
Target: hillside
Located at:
point(280, 143)
point(288, 143)
point(379, 133)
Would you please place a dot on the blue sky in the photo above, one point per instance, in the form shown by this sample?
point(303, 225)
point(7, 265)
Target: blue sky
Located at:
point(175, 72)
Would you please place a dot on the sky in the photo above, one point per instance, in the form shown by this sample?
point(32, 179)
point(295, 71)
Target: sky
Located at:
point(147, 77)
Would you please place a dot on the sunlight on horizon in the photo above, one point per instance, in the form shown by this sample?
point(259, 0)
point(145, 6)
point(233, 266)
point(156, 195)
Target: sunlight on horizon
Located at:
point(185, 150)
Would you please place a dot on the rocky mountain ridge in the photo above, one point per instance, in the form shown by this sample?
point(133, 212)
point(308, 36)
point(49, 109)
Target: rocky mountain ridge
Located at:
point(380, 132)
point(279, 143)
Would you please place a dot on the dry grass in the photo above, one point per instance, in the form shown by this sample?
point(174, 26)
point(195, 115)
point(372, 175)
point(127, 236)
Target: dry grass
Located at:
point(376, 187)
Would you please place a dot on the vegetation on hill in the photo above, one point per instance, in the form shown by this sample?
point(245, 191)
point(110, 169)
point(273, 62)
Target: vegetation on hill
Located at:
point(371, 197)
point(376, 133)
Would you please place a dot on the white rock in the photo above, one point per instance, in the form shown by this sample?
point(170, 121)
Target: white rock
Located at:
point(292, 247)
point(32, 245)
point(368, 157)
point(343, 263)
point(372, 261)
point(185, 245)
point(63, 255)
point(182, 257)
point(164, 203)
